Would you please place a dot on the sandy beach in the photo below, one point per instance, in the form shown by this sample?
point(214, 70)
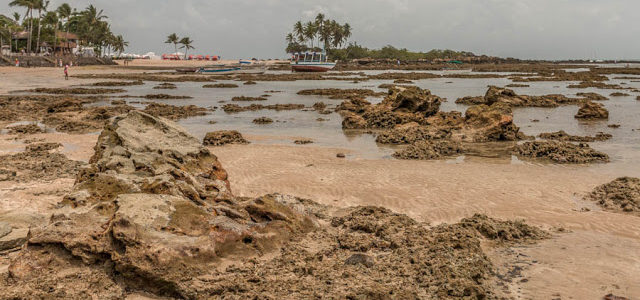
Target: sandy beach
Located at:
point(592, 252)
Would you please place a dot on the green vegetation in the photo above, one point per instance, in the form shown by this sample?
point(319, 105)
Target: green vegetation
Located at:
point(186, 45)
point(90, 25)
point(328, 33)
point(173, 39)
point(355, 51)
point(186, 42)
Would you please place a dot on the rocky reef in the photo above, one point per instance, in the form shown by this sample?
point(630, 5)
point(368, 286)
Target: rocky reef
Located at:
point(411, 115)
point(619, 195)
point(563, 136)
point(592, 110)
point(508, 97)
point(223, 137)
point(153, 213)
point(560, 152)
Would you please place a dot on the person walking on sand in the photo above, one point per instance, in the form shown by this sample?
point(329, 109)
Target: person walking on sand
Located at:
point(66, 72)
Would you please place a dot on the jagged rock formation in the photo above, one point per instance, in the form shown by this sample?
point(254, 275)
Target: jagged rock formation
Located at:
point(425, 150)
point(154, 206)
point(412, 132)
point(484, 123)
point(563, 136)
point(560, 152)
point(153, 213)
point(619, 195)
point(412, 114)
point(592, 110)
point(507, 96)
point(402, 105)
point(223, 137)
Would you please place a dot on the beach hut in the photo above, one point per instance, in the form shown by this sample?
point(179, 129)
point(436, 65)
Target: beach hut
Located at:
point(67, 42)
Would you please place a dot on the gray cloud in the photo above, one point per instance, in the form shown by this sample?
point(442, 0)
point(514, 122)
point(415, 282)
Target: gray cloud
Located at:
point(550, 29)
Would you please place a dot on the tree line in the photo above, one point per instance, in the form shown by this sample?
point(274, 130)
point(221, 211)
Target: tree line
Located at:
point(327, 33)
point(323, 33)
point(355, 51)
point(90, 25)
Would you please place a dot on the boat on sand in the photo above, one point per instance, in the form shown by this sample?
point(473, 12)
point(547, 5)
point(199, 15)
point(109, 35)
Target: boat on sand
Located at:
point(229, 69)
point(311, 62)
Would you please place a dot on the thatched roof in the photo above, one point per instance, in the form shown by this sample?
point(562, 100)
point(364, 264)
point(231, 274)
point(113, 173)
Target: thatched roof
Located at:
point(23, 35)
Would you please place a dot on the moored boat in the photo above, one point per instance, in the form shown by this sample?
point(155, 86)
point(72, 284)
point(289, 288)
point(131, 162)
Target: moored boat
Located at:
point(311, 62)
point(219, 70)
point(230, 69)
point(186, 70)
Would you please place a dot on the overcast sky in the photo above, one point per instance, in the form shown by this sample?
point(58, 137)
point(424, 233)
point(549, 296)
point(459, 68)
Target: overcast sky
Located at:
point(544, 29)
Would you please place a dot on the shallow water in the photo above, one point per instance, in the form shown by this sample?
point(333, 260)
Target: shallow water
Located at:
point(624, 147)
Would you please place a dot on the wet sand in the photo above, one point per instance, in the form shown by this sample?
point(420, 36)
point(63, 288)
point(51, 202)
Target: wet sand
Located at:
point(595, 253)
point(597, 256)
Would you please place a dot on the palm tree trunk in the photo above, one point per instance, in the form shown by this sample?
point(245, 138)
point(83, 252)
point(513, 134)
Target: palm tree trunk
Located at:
point(55, 43)
point(39, 26)
point(176, 47)
point(30, 30)
point(67, 36)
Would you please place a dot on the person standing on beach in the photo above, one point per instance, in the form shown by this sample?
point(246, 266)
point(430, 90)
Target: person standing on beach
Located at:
point(66, 72)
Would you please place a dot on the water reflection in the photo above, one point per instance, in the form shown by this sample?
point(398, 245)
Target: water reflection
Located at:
point(624, 147)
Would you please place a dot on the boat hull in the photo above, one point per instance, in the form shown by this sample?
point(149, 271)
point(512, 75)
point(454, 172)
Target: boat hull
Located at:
point(312, 67)
point(187, 70)
point(219, 71)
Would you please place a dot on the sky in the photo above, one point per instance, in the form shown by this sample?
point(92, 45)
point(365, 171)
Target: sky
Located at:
point(526, 29)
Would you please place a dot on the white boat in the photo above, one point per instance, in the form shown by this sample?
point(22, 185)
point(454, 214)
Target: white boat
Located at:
point(311, 62)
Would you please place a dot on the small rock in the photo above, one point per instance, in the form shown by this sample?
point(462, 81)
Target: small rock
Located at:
point(303, 141)
point(263, 120)
point(223, 137)
point(14, 239)
point(341, 155)
point(360, 258)
point(614, 297)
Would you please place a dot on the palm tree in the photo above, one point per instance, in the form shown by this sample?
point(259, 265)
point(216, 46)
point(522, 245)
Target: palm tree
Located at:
point(29, 5)
point(327, 33)
point(298, 31)
point(93, 16)
point(51, 19)
point(290, 39)
point(40, 5)
point(186, 44)
point(346, 33)
point(320, 26)
point(310, 31)
point(64, 12)
point(16, 17)
point(119, 44)
point(93, 28)
point(101, 36)
point(173, 39)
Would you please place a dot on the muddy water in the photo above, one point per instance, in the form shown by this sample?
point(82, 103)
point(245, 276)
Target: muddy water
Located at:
point(624, 148)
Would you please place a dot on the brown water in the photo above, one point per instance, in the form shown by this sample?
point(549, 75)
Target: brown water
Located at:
point(623, 148)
